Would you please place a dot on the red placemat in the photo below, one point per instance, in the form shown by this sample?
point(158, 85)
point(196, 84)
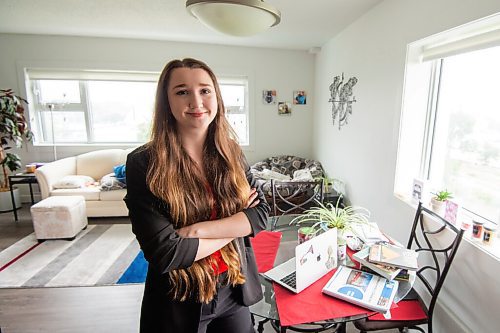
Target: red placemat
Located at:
point(265, 246)
point(312, 305)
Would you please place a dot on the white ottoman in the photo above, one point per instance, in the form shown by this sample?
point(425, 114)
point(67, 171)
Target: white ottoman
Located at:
point(59, 217)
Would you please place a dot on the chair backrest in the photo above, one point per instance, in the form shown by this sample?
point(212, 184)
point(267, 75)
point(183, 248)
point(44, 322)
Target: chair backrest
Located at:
point(289, 197)
point(437, 242)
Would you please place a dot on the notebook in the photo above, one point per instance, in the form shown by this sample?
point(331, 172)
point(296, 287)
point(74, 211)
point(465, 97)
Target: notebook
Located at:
point(313, 259)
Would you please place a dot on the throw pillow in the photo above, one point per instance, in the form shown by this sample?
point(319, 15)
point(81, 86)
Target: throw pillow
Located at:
point(73, 181)
point(120, 173)
point(302, 175)
point(109, 183)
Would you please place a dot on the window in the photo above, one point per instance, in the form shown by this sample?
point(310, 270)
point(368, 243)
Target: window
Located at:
point(235, 95)
point(91, 107)
point(465, 154)
point(450, 126)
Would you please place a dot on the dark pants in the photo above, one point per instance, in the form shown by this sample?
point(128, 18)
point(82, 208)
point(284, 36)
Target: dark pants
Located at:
point(224, 314)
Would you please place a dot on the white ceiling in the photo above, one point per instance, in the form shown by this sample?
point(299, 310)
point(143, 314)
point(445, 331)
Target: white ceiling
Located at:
point(304, 23)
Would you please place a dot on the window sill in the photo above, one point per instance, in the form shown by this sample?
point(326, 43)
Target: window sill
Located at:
point(492, 249)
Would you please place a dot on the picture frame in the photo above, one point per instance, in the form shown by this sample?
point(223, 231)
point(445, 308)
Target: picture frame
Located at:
point(284, 109)
point(417, 192)
point(451, 211)
point(269, 96)
point(300, 97)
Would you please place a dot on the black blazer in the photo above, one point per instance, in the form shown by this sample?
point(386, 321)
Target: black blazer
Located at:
point(165, 251)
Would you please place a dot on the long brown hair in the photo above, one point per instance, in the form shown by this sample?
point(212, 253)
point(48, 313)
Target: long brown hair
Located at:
point(175, 178)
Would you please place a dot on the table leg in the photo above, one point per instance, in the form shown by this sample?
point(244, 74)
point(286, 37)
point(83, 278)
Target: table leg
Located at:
point(31, 194)
point(342, 328)
point(14, 209)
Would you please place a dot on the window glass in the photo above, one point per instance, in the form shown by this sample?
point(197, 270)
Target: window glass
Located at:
point(121, 111)
point(236, 109)
point(68, 126)
point(59, 91)
point(466, 148)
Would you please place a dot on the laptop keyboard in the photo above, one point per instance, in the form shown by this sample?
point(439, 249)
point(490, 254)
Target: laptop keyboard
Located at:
point(290, 280)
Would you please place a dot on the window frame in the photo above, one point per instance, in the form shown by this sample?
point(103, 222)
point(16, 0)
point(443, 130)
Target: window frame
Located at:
point(421, 89)
point(34, 114)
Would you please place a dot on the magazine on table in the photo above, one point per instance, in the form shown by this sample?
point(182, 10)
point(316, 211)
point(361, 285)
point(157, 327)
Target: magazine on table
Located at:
point(362, 288)
point(387, 272)
point(388, 254)
point(369, 233)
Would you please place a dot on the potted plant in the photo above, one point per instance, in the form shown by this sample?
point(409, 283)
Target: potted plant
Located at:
point(329, 216)
point(13, 131)
point(438, 200)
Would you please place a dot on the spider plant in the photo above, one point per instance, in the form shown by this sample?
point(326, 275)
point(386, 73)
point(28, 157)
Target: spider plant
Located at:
point(326, 216)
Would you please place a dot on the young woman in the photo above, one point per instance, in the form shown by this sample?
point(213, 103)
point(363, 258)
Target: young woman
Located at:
point(193, 203)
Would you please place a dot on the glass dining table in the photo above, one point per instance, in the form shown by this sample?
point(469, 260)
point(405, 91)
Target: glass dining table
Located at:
point(266, 310)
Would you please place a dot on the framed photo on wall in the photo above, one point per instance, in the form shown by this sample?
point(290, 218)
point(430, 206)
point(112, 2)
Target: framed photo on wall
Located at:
point(284, 109)
point(299, 97)
point(269, 96)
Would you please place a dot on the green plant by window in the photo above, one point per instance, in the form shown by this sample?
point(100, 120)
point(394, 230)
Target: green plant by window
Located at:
point(443, 195)
point(13, 131)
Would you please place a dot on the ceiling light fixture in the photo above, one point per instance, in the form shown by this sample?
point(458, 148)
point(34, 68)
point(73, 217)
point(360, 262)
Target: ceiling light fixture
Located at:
point(235, 17)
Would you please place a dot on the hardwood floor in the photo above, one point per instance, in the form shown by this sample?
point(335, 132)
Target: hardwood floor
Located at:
point(104, 309)
point(76, 310)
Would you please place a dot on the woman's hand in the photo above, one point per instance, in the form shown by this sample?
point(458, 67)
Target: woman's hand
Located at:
point(252, 199)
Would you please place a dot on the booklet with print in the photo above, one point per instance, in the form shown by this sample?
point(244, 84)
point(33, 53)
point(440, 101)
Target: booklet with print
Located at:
point(387, 272)
point(388, 254)
point(362, 288)
point(369, 232)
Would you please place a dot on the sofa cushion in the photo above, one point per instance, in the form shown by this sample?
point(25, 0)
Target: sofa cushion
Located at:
point(73, 181)
point(89, 193)
point(117, 195)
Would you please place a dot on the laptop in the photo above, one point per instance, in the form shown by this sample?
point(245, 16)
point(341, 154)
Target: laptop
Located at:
point(313, 259)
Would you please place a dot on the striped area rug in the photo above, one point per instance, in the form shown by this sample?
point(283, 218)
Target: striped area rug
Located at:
point(99, 255)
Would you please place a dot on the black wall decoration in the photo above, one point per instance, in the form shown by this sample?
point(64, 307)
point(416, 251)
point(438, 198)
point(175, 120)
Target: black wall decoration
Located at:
point(341, 98)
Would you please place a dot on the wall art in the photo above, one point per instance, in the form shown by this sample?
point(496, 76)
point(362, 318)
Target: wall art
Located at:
point(299, 97)
point(284, 109)
point(341, 97)
point(269, 96)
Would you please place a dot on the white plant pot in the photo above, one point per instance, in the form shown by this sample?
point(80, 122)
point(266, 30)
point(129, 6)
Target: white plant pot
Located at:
point(341, 246)
point(438, 206)
point(6, 200)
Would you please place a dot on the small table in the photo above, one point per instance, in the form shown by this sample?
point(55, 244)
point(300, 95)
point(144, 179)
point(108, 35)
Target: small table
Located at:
point(266, 308)
point(21, 178)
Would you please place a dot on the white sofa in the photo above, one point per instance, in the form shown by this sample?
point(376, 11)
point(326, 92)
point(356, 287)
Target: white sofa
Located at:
point(95, 164)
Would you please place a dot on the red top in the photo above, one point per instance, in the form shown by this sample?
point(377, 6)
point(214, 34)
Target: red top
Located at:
point(220, 266)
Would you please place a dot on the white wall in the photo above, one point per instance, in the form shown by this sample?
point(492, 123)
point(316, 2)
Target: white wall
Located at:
point(283, 70)
point(363, 152)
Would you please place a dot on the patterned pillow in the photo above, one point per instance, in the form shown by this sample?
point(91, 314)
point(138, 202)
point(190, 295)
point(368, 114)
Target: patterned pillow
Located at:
point(109, 183)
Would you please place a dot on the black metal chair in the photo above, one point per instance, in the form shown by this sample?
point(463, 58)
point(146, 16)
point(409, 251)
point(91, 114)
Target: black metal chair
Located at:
point(436, 253)
point(294, 197)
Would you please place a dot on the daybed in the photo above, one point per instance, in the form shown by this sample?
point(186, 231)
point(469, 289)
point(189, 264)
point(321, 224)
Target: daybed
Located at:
point(90, 175)
point(286, 168)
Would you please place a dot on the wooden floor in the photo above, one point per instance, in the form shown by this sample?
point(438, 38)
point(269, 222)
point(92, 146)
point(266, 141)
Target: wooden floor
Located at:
point(101, 309)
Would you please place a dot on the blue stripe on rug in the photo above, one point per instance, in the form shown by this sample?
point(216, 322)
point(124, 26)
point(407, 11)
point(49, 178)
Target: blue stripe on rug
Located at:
point(136, 272)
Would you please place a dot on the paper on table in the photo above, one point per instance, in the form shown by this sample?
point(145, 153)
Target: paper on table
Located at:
point(369, 233)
